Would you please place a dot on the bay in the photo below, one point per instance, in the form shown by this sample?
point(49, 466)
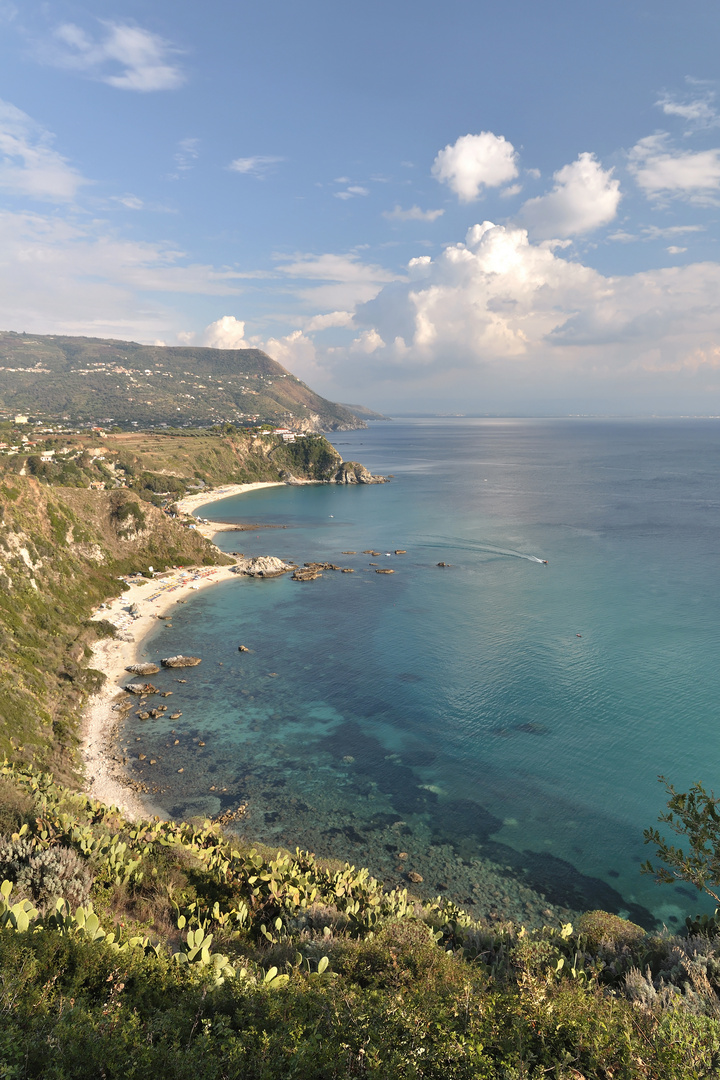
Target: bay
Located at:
point(498, 722)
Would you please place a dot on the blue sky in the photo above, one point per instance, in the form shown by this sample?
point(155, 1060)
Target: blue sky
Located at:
point(455, 206)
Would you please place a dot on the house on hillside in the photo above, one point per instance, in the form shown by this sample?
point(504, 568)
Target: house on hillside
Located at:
point(286, 434)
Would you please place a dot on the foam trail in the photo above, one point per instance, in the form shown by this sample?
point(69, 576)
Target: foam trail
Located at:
point(463, 544)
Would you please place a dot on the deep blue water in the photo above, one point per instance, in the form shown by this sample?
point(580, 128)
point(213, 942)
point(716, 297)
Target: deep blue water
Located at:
point(494, 709)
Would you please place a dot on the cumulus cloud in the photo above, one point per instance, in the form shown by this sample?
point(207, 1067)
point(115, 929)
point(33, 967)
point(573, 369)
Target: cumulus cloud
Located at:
point(413, 214)
point(124, 56)
point(296, 352)
point(226, 333)
point(585, 196)
point(662, 171)
point(474, 162)
point(28, 163)
point(253, 166)
point(499, 313)
point(490, 296)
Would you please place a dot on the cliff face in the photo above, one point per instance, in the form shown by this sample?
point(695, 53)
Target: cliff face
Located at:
point(99, 381)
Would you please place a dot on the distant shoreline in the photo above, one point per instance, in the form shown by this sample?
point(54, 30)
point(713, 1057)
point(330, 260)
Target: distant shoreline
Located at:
point(106, 776)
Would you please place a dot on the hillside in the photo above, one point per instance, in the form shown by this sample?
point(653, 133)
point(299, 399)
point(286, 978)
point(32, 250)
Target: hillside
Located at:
point(94, 381)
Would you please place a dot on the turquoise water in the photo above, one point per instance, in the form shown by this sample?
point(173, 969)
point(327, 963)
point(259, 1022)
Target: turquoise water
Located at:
point(497, 713)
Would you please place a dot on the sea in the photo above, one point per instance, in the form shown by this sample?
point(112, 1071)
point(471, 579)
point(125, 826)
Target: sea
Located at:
point(492, 717)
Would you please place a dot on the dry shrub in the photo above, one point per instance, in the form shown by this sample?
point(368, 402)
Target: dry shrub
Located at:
point(45, 876)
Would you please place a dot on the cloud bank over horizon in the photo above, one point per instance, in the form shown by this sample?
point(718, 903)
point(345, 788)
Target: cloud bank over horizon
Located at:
point(496, 310)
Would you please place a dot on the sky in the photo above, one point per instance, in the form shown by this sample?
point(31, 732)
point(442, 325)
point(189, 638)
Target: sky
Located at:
point(464, 207)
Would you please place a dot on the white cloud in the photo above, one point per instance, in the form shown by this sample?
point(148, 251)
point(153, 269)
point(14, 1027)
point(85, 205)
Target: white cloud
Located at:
point(353, 192)
point(132, 202)
point(621, 236)
point(144, 59)
point(662, 171)
point(656, 232)
point(253, 166)
point(697, 111)
point(584, 197)
point(62, 276)
point(500, 319)
point(474, 162)
point(296, 352)
point(676, 250)
point(187, 154)
point(347, 280)
point(509, 192)
point(413, 214)
point(226, 333)
point(28, 164)
point(332, 319)
point(368, 342)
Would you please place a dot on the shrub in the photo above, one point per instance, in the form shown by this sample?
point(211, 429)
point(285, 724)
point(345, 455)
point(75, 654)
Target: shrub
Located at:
point(45, 875)
point(602, 928)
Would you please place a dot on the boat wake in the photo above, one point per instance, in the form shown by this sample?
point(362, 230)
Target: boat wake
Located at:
point(462, 544)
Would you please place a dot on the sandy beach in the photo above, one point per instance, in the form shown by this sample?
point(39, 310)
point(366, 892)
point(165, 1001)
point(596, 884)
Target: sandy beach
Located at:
point(202, 498)
point(105, 775)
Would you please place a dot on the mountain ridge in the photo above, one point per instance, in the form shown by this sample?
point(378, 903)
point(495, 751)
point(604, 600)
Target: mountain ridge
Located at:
point(84, 380)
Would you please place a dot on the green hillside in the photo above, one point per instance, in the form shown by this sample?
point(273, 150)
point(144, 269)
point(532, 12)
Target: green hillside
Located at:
point(91, 380)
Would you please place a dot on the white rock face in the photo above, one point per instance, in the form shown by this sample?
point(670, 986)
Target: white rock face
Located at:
point(262, 566)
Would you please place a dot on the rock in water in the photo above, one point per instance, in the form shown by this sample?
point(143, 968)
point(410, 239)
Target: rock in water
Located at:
point(143, 669)
point(141, 688)
point(352, 472)
point(306, 575)
point(262, 566)
point(181, 661)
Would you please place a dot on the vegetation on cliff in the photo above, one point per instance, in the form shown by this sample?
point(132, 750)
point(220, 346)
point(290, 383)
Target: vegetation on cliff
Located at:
point(81, 380)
